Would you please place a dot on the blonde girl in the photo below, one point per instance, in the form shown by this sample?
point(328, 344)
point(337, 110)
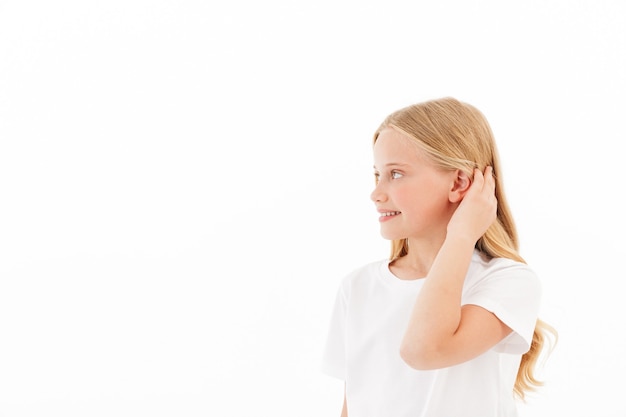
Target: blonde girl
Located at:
point(448, 325)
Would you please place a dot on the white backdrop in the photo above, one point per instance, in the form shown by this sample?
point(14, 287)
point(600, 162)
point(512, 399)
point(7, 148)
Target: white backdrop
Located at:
point(183, 184)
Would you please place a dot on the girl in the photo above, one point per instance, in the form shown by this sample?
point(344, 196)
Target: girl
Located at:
point(448, 325)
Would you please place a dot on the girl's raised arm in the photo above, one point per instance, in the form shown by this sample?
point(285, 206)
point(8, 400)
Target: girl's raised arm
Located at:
point(441, 333)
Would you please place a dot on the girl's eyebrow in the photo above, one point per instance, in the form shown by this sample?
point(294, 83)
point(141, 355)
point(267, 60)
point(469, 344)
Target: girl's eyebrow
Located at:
point(396, 164)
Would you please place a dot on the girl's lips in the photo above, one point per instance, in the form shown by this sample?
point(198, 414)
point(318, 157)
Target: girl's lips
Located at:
point(387, 215)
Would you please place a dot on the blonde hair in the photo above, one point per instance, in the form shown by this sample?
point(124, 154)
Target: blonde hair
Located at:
point(456, 135)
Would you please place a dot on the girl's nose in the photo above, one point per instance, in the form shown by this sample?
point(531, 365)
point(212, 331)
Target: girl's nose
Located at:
point(378, 195)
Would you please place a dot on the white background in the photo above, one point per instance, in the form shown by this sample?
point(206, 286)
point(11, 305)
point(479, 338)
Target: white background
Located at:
point(183, 184)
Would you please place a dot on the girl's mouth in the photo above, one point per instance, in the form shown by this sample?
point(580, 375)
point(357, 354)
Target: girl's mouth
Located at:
point(387, 215)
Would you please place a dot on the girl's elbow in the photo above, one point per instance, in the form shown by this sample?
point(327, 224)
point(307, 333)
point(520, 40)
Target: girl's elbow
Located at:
point(418, 358)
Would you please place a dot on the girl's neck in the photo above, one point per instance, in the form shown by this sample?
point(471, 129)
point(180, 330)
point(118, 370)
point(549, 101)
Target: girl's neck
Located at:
point(416, 264)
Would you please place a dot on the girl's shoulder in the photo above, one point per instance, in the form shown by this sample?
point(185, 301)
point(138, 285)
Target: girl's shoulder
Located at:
point(365, 271)
point(365, 274)
point(482, 263)
point(505, 270)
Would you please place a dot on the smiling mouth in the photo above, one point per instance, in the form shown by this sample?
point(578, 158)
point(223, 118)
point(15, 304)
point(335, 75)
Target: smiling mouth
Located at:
point(389, 213)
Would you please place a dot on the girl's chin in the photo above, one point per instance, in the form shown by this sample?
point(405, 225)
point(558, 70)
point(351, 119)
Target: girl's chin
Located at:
point(391, 236)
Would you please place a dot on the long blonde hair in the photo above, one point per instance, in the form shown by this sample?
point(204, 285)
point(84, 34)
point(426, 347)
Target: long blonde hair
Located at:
point(456, 135)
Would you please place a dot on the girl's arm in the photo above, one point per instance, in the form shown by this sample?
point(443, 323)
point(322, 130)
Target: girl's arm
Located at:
point(344, 410)
point(441, 333)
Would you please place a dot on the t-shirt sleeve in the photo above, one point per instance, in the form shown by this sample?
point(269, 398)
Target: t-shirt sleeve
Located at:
point(334, 358)
point(513, 293)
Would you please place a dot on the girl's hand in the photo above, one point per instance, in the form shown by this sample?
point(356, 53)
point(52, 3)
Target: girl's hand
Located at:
point(477, 211)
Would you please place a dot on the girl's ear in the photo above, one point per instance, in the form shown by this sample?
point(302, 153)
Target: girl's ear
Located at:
point(461, 184)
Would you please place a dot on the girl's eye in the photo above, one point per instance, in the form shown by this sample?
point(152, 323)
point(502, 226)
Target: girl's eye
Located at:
point(395, 175)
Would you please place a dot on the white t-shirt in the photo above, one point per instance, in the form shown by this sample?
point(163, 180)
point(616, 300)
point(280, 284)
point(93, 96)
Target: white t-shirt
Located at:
point(369, 320)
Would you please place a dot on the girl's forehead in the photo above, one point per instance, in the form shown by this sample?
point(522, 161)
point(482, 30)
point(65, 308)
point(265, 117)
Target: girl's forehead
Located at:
point(395, 145)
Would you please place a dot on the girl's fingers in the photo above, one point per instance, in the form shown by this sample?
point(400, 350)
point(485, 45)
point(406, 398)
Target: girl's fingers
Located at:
point(489, 178)
point(479, 178)
point(484, 182)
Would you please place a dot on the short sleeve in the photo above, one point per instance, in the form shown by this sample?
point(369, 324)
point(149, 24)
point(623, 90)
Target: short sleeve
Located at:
point(512, 292)
point(334, 359)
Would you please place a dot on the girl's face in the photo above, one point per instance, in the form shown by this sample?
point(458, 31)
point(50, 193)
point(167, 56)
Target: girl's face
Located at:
point(411, 195)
